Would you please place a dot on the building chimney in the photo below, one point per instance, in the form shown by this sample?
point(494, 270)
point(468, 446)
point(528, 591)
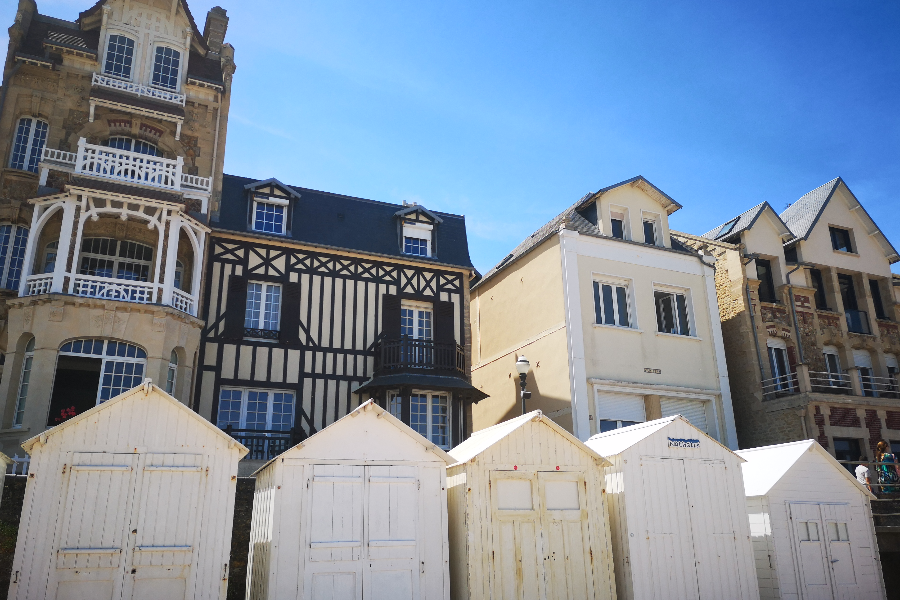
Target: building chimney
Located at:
point(215, 28)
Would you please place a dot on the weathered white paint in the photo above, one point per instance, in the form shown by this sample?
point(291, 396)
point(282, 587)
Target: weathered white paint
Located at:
point(357, 510)
point(131, 499)
point(524, 523)
point(789, 486)
point(676, 513)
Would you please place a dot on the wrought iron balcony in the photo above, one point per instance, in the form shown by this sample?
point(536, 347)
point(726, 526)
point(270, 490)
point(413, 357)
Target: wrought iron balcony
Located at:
point(858, 321)
point(783, 385)
point(265, 444)
point(128, 167)
point(137, 89)
point(830, 383)
point(412, 355)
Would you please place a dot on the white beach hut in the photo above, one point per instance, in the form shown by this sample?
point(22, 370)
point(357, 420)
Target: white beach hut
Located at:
point(358, 510)
point(811, 525)
point(131, 499)
point(523, 501)
point(676, 512)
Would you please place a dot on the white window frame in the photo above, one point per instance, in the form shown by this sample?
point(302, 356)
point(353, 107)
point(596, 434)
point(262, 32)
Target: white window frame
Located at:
point(24, 380)
point(626, 221)
point(116, 259)
point(689, 308)
point(134, 142)
point(429, 418)
point(420, 231)
point(259, 323)
point(105, 359)
point(419, 332)
point(245, 393)
point(7, 253)
point(29, 144)
point(134, 53)
point(282, 202)
point(172, 373)
point(656, 220)
point(782, 381)
point(614, 282)
point(181, 53)
point(50, 248)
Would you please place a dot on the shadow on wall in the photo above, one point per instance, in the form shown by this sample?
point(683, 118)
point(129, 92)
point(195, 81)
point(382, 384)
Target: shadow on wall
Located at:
point(538, 401)
point(10, 511)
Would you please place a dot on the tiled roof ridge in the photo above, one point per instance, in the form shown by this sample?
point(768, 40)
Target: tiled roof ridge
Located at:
point(802, 215)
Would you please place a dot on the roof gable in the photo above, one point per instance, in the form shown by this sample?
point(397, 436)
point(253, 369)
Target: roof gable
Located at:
point(621, 440)
point(803, 215)
point(272, 187)
point(367, 433)
point(641, 183)
point(88, 20)
point(481, 441)
point(147, 389)
point(732, 228)
point(417, 212)
point(766, 466)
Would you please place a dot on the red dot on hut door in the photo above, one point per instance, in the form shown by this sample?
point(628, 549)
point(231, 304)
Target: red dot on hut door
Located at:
point(515, 467)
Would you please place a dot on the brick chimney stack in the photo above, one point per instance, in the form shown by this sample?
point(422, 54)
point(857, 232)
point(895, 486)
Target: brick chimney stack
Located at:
point(215, 28)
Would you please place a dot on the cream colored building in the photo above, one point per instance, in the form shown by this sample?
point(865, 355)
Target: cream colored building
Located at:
point(809, 311)
point(112, 138)
point(619, 323)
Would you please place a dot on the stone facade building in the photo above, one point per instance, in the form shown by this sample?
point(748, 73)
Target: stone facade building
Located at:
point(112, 138)
point(809, 312)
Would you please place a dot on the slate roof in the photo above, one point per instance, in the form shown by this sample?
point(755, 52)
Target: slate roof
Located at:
point(57, 32)
point(204, 69)
point(338, 221)
point(729, 230)
point(572, 220)
point(115, 187)
point(801, 216)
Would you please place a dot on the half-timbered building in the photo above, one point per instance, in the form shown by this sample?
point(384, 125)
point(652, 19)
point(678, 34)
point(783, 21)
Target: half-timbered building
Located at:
point(317, 301)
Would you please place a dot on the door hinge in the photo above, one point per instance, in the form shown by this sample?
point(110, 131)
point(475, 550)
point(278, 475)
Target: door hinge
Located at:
point(418, 485)
point(15, 577)
point(225, 572)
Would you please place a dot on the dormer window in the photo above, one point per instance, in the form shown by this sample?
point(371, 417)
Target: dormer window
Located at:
point(417, 238)
point(119, 56)
point(269, 214)
point(650, 231)
point(617, 220)
point(165, 67)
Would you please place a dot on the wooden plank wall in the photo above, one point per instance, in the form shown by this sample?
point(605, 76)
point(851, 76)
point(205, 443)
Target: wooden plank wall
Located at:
point(340, 322)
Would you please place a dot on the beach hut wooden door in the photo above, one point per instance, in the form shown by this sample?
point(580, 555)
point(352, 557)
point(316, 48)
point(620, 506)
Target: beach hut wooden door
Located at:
point(541, 540)
point(822, 545)
point(128, 525)
point(363, 532)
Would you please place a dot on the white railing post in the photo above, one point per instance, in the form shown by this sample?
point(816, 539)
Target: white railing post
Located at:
point(63, 245)
point(79, 157)
point(171, 258)
point(179, 167)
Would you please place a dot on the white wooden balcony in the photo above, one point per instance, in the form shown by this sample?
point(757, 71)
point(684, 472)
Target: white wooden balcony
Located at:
point(126, 166)
point(137, 89)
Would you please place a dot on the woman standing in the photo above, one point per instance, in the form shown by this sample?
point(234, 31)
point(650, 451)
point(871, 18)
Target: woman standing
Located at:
point(888, 478)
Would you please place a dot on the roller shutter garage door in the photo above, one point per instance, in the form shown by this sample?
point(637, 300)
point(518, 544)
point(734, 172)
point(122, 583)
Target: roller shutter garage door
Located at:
point(692, 410)
point(614, 406)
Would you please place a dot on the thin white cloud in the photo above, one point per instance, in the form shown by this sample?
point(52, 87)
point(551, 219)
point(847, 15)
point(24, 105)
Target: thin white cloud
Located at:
point(266, 128)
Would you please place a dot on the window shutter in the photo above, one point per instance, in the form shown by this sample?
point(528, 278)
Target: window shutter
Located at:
point(236, 307)
point(290, 313)
point(390, 316)
point(444, 322)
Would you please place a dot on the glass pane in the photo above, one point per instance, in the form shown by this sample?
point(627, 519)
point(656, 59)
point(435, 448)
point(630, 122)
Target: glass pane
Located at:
point(418, 414)
point(407, 327)
point(38, 137)
point(119, 143)
point(119, 377)
point(282, 411)
point(617, 230)
point(396, 406)
point(440, 420)
point(254, 304)
point(170, 380)
point(269, 218)
point(23, 391)
point(684, 326)
point(606, 425)
point(649, 233)
point(609, 317)
point(16, 258)
point(424, 329)
point(415, 246)
point(273, 303)
point(165, 67)
point(119, 54)
point(20, 147)
point(622, 300)
point(229, 409)
point(598, 306)
point(257, 409)
point(665, 312)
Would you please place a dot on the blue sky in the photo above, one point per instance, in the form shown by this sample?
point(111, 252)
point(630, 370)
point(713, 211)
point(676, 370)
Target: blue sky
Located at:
point(508, 112)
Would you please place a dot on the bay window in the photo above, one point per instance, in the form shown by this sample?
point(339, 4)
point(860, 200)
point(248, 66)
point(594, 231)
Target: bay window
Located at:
point(106, 257)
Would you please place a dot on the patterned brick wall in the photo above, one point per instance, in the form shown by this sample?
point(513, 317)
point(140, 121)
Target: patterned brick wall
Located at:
point(893, 419)
point(843, 417)
point(820, 423)
point(873, 424)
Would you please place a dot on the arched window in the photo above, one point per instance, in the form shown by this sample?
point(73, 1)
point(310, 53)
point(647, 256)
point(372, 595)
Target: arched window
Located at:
point(23, 384)
point(165, 67)
point(31, 134)
point(179, 275)
point(121, 142)
point(172, 373)
point(90, 371)
point(50, 256)
point(106, 257)
point(119, 56)
point(13, 239)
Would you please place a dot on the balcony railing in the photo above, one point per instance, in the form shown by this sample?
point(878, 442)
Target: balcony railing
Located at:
point(858, 321)
point(265, 444)
point(410, 354)
point(783, 385)
point(38, 284)
point(137, 89)
point(128, 167)
point(183, 302)
point(830, 383)
point(879, 387)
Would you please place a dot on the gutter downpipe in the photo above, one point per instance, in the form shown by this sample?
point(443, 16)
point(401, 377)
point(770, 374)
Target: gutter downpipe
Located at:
point(799, 266)
point(759, 360)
